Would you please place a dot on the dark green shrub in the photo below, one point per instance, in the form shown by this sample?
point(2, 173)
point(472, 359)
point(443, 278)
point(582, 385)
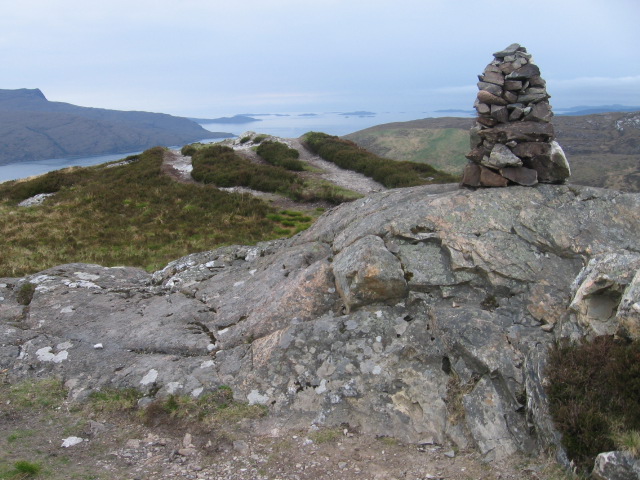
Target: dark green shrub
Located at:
point(390, 173)
point(279, 154)
point(188, 150)
point(594, 392)
point(221, 166)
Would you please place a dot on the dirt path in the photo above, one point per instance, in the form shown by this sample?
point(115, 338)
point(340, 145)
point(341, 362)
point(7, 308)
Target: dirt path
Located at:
point(178, 167)
point(331, 172)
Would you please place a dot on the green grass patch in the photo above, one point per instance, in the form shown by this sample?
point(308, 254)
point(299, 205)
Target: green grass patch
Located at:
point(390, 173)
point(38, 395)
point(594, 394)
point(114, 400)
point(19, 435)
point(291, 222)
point(326, 435)
point(22, 469)
point(214, 409)
point(126, 215)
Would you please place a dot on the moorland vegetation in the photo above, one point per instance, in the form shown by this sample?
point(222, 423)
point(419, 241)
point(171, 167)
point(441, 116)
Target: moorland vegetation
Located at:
point(221, 166)
point(594, 393)
point(127, 214)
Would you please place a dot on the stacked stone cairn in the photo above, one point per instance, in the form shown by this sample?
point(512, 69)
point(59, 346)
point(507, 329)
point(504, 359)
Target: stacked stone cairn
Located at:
point(512, 141)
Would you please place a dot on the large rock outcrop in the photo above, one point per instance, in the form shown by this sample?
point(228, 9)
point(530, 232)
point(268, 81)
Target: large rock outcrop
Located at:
point(421, 313)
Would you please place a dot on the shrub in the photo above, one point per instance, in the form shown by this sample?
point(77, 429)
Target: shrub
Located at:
point(221, 166)
point(279, 154)
point(594, 393)
point(390, 173)
point(188, 150)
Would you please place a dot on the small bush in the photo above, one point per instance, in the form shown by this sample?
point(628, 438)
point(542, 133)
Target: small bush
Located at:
point(188, 150)
point(279, 154)
point(594, 389)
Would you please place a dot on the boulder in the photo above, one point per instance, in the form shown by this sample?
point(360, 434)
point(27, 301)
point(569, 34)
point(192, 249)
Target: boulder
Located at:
point(616, 466)
point(366, 272)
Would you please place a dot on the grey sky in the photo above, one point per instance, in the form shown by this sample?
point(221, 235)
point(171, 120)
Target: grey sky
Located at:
point(211, 58)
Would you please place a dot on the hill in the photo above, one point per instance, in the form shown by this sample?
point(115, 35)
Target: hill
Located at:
point(603, 149)
point(34, 128)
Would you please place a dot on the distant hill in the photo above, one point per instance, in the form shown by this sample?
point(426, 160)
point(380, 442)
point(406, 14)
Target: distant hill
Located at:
point(33, 128)
point(588, 110)
point(239, 119)
point(603, 149)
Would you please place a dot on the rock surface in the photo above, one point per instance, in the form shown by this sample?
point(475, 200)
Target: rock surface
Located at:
point(420, 313)
point(512, 129)
point(616, 466)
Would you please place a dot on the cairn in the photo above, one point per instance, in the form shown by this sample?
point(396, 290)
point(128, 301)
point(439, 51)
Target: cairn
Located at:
point(512, 141)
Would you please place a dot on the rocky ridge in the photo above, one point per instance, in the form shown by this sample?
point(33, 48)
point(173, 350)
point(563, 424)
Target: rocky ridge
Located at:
point(422, 313)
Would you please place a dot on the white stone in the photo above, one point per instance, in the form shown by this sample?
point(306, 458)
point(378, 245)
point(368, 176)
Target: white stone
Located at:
point(98, 346)
point(150, 377)
point(71, 441)
point(44, 355)
point(173, 387)
point(86, 276)
point(256, 398)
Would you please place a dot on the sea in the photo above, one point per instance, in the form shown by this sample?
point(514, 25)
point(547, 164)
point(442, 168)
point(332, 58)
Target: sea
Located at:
point(284, 125)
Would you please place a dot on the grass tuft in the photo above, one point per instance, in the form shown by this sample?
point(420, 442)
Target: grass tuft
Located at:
point(26, 468)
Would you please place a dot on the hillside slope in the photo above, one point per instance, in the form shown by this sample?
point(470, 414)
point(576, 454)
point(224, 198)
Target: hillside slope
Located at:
point(33, 128)
point(603, 149)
